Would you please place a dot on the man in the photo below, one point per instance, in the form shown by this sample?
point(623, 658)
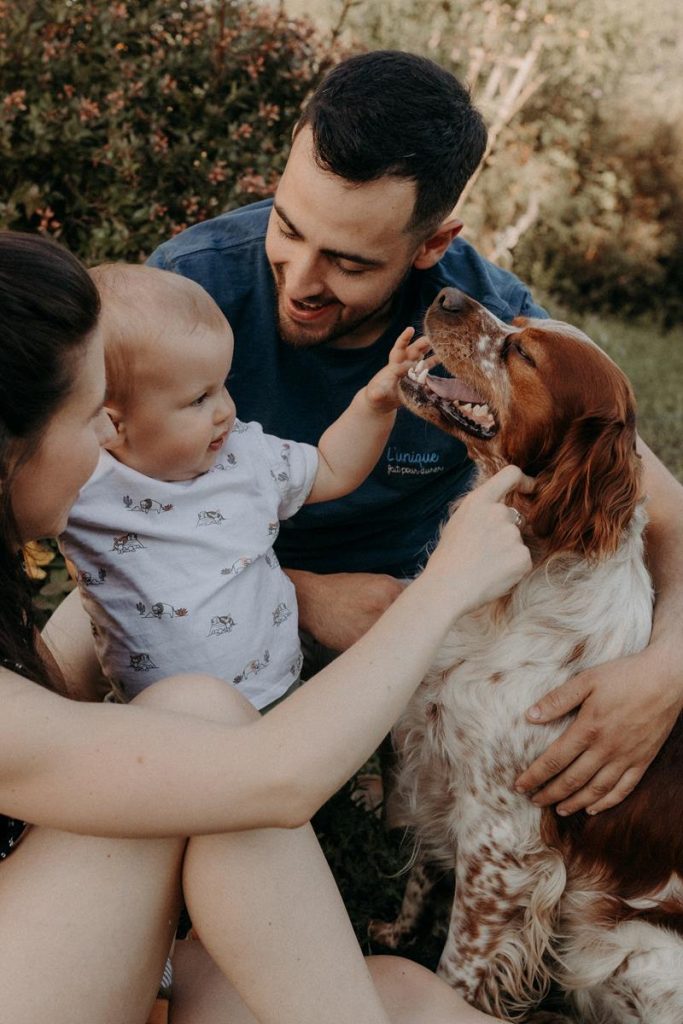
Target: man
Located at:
point(317, 285)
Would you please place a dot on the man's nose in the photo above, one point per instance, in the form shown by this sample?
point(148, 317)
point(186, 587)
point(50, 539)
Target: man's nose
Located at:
point(303, 277)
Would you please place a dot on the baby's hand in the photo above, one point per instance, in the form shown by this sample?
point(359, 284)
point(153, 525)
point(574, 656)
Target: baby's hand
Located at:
point(382, 391)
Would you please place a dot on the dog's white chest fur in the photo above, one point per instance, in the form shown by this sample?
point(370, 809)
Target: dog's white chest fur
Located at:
point(464, 739)
point(563, 618)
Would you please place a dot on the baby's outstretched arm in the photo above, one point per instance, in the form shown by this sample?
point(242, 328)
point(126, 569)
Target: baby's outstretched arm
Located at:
point(351, 446)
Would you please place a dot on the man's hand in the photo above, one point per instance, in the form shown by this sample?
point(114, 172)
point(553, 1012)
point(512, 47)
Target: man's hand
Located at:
point(627, 709)
point(337, 609)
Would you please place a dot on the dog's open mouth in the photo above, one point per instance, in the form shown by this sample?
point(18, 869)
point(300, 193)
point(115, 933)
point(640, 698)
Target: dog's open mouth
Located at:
point(459, 405)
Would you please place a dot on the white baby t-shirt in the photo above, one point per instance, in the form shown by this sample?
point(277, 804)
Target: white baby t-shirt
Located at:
point(182, 576)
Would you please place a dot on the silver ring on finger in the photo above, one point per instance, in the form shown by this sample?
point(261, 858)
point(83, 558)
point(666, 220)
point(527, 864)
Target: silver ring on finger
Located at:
point(518, 519)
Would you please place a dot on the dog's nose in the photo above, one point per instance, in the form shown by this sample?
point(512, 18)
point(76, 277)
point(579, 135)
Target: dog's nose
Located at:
point(452, 300)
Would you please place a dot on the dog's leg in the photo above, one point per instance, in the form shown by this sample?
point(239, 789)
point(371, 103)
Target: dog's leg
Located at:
point(507, 895)
point(421, 880)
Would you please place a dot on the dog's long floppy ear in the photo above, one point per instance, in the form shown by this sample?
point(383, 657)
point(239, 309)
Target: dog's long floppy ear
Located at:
point(586, 496)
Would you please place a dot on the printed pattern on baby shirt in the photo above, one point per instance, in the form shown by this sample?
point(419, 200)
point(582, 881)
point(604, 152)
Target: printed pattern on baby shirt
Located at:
point(181, 576)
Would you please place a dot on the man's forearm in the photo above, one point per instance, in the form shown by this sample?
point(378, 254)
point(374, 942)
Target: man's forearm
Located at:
point(302, 581)
point(338, 608)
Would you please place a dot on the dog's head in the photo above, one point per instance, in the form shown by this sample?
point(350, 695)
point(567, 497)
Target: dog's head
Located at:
point(539, 394)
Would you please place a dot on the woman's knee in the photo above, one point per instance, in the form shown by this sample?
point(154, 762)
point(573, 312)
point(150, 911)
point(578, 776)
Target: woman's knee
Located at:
point(412, 993)
point(203, 696)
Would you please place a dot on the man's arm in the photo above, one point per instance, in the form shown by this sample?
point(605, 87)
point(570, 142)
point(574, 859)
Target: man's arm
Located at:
point(337, 609)
point(627, 707)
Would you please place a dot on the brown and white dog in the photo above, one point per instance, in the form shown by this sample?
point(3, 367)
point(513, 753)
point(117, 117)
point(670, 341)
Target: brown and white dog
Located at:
point(593, 905)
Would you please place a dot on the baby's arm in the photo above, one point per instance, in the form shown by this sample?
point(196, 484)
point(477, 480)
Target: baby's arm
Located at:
point(351, 446)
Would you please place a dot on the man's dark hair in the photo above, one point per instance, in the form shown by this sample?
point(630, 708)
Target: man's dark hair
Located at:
point(394, 113)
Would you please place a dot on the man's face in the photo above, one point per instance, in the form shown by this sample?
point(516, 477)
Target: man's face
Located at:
point(338, 251)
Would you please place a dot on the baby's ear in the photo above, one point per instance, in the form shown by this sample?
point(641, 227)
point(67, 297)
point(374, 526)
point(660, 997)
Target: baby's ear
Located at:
point(118, 422)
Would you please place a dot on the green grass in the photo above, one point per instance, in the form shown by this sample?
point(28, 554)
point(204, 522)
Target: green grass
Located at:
point(653, 360)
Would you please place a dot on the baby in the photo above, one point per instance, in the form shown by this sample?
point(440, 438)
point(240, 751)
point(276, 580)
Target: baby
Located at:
point(172, 537)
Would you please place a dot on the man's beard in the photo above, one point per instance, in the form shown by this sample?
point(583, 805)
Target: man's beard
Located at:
point(299, 337)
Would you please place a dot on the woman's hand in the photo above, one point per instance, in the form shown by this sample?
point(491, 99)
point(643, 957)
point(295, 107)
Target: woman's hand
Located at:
point(481, 554)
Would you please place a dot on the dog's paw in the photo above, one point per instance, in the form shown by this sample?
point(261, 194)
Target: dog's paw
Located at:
point(385, 933)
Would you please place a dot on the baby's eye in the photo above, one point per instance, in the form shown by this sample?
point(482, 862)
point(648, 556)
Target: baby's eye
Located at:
point(200, 400)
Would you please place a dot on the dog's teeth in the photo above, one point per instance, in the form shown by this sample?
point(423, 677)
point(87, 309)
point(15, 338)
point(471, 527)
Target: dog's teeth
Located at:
point(412, 374)
point(467, 407)
point(419, 366)
point(422, 377)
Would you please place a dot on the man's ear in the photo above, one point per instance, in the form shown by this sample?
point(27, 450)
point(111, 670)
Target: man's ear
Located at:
point(119, 424)
point(433, 248)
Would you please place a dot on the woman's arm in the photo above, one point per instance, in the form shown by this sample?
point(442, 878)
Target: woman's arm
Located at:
point(135, 771)
point(68, 637)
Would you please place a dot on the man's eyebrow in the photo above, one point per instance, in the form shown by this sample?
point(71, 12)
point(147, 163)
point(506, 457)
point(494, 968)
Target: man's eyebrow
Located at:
point(352, 257)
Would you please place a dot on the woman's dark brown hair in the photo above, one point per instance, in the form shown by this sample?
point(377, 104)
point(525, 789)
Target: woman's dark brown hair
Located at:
point(48, 307)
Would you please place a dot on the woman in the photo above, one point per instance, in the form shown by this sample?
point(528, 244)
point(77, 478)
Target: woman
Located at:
point(90, 892)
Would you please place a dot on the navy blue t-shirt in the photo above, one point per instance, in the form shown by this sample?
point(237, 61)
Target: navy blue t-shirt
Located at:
point(387, 524)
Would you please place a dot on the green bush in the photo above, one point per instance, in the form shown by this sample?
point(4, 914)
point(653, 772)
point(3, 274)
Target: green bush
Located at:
point(122, 123)
point(610, 233)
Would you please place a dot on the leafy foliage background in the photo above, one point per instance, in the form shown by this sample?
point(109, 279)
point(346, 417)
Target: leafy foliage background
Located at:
point(122, 123)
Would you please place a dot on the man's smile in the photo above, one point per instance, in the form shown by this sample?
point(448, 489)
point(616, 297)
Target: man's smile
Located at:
point(307, 311)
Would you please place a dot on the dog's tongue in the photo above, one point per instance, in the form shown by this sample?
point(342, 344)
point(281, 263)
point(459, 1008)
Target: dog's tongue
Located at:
point(452, 389)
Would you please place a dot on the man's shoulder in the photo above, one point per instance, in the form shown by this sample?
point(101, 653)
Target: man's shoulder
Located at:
point(498, 289)
point(230, 233)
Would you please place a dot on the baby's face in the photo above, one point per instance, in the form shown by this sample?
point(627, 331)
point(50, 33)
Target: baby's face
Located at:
point(181, 411)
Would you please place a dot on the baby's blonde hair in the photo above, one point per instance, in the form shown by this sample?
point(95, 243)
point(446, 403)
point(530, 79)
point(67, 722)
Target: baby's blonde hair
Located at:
point(136, 302)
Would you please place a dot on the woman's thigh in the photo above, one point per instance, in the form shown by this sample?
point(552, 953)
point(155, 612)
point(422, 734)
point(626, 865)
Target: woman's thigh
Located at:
point(85, 926)
point(86, 923)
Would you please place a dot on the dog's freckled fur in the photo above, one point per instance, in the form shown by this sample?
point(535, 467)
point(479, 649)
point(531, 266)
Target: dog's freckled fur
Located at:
point(593, 904)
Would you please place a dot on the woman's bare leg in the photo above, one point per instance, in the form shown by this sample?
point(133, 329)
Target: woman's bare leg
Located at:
point(413, 995)
point(86, 923)
point(266, 906)
point(410, 993)
point(85, 927)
